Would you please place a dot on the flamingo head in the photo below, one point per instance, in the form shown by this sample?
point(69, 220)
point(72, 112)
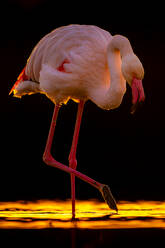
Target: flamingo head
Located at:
point(133, 72)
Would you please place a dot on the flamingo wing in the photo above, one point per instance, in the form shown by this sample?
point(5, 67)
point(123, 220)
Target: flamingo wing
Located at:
point(22, 77)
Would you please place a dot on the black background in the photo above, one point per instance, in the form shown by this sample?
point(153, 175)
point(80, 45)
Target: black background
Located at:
point(122, 150)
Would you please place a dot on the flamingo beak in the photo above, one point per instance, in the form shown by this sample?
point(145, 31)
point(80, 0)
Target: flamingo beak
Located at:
point(138, 95)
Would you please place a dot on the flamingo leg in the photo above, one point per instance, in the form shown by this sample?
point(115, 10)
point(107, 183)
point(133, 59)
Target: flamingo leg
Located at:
point(49, 160)
point(47, 152)
point(72, 155)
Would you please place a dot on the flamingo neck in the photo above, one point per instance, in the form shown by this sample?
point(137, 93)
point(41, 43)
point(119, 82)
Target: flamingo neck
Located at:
point(117, 81)
point(118, 48)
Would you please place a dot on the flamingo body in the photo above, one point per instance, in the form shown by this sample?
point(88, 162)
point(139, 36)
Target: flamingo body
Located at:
point(81, 51)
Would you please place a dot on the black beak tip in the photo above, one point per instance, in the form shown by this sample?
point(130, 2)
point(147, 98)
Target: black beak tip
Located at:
point(136, 106)
point(133, 108)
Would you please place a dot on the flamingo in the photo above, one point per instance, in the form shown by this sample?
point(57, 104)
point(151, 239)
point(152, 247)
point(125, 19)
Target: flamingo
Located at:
point(81, 62)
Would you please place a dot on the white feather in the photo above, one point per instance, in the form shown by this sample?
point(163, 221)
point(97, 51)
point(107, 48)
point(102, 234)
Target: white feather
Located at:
point(26, 87)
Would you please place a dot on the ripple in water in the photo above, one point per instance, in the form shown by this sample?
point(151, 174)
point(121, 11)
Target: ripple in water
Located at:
point(90, 214)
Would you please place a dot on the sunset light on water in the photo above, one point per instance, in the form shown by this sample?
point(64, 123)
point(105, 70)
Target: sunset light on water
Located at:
point(90, 214)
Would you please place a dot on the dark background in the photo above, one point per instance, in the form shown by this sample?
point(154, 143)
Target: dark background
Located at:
point(122, 150)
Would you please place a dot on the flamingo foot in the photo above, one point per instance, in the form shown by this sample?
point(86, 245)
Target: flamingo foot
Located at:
point(108, 197)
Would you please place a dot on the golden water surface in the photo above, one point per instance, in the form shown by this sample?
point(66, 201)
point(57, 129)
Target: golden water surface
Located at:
point(90, 214)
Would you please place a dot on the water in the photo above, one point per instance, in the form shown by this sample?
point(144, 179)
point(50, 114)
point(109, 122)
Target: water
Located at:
point(136, 223)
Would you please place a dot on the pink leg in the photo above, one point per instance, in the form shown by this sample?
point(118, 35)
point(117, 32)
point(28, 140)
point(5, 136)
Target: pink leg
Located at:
point(47, 152)
point(49, 160)
point(72, 155)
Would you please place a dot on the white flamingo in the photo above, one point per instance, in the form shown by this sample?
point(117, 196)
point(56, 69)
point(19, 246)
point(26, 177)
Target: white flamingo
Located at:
point(81, 62)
